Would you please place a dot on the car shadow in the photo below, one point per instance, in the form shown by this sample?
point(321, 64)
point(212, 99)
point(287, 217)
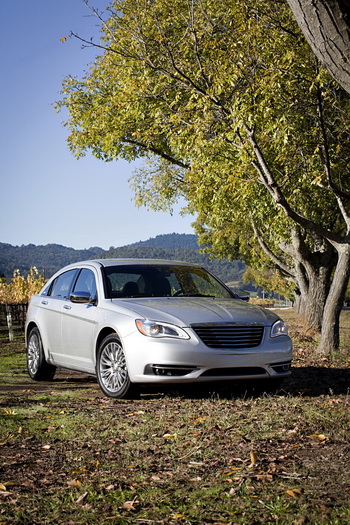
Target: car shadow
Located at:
point(308, 381)
point(317, 381)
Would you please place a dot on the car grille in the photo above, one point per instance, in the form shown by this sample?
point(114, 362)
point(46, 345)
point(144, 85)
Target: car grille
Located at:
point(229, 335)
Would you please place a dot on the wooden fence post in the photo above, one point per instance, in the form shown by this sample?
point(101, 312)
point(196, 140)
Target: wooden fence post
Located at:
point(10, 327)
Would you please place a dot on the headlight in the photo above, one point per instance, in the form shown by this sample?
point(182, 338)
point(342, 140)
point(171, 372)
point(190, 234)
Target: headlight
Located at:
point(160, 329)
point(279, 328)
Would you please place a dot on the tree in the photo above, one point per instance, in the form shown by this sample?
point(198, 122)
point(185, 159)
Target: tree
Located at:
point(227, 96)
point(326, 26)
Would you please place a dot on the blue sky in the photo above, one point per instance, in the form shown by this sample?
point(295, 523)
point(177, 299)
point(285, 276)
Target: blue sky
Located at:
point(47, 195)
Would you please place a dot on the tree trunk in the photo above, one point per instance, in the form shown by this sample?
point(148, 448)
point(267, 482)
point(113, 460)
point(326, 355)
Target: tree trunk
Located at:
point(312, 270)
point(326, 26)
point(330, 326)
point(313, 301)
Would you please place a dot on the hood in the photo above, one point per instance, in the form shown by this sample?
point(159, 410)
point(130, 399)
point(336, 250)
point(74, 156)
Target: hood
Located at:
point(185, 311)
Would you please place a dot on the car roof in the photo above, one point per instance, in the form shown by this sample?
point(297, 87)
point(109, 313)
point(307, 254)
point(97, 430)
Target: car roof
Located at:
point(134, 262)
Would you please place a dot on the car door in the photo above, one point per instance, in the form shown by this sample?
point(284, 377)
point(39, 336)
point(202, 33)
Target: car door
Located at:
point(79, 325)
point(50, 317)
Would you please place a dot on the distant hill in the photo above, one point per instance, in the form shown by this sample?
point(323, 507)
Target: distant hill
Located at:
point(173, 246)
point(48, 258)
point(170, 241)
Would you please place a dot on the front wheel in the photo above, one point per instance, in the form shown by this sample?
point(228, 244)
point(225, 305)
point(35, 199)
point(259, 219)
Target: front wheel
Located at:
point(112, 373)
point(38, 368)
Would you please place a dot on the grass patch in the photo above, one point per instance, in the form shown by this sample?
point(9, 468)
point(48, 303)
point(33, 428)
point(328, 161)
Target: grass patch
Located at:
point(219, 456)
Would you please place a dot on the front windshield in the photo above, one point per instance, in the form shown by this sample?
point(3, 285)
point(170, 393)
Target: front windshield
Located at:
point(161, 281)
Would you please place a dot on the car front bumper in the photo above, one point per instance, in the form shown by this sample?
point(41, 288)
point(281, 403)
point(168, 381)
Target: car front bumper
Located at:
point(171, 360)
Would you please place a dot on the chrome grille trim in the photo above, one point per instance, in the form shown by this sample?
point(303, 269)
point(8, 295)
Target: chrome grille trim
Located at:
point(228, 335)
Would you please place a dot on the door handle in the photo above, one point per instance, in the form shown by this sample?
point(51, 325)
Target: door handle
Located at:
point(67, 307)
point(44, 302)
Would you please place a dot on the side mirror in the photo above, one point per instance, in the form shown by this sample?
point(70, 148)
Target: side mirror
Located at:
point(81, 298)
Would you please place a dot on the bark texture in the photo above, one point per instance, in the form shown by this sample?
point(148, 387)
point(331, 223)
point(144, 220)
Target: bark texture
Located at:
point(330, 333)
point(326, 26)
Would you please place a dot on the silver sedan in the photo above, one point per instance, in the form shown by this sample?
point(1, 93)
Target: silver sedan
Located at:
point(138, 321)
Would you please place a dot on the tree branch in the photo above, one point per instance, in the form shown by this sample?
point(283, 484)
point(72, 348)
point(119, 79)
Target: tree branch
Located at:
point(157, 151)
point(280, 200)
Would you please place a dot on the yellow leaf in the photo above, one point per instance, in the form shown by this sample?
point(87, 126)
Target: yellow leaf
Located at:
point(322, 437)
point(2, 487)
point(139, 412)
point(253, 458)
point(170, 436)
point(9, 412)
point(233, 471)
point(294, 493)
point(74, 483)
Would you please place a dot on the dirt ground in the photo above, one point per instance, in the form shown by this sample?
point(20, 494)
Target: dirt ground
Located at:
point(319, 466)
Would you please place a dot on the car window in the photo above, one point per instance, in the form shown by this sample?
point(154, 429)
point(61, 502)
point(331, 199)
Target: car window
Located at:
point(61, 286)
point(161, 281)
point(121, 280)
point(205, 284)
point(86, 282)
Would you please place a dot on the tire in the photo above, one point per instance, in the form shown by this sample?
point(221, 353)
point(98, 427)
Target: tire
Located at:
point(111, 369)
point(38, 368)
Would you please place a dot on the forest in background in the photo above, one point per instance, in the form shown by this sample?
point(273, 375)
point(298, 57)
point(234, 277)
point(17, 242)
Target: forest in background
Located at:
point(174, 246)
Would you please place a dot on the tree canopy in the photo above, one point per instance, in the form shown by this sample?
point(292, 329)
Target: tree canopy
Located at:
point(231, 109)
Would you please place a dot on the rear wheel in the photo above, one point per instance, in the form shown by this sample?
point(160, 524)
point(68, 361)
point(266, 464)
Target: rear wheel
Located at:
point(38, 368)
point(112, 372)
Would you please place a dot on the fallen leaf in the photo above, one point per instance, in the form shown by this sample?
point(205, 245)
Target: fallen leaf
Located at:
point(81, 498)
point(322, 437)
point(9, 412)
point(46, 447)
point(232, 471)
point(74, 483)
point(294, 493)
point(253, 458)
point(5, 493)
point(130, 505)
point(170, 436)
